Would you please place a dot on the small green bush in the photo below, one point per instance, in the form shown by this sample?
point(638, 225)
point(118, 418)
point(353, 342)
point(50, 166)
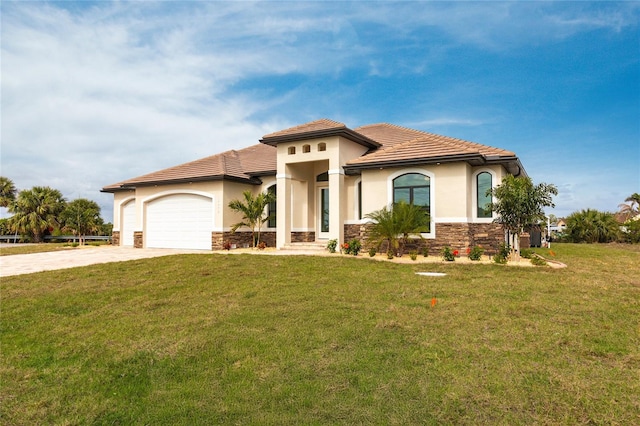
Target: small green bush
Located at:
point(425, 251)
point(413, 255)
point(502, 255)
point(332, 245)
point(476, 253)
point(372, 251)
point(448, 255)
point(526, 253)
point(390, 254)
point(538, 261)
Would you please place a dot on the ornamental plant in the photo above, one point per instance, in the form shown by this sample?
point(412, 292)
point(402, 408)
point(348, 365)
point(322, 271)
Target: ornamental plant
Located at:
point(448, 254)
point(475, 253)
point(332, 245)
point(352, 247)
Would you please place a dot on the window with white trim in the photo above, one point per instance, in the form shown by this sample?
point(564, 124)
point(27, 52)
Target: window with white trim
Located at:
point(483, 185)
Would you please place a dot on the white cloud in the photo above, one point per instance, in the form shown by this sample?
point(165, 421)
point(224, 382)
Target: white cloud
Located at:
point(93, 93)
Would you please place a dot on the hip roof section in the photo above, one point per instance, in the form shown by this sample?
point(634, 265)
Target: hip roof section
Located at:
point(388, 145)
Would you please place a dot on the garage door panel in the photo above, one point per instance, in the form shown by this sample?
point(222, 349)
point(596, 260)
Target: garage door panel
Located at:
point(180, 221)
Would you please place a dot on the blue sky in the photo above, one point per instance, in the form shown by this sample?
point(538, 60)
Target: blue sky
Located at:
point(98, 92)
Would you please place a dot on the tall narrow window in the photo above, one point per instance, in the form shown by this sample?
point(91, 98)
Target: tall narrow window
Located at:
point(483, 185)
point(306, 148)
point(271, 208)
point(360, 200)
point(291, 150)
point(413, 188)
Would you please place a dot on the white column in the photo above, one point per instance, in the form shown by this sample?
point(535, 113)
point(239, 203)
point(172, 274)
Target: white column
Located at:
point(283, 210)
point(336, 215)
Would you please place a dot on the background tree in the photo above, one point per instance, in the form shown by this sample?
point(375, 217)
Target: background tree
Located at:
point(254, 214)
point(81, 217)
point(631, 207)
point(592, 226)
point(520, 203)
point(8, 192)
point(35, 211)
point(395, 224)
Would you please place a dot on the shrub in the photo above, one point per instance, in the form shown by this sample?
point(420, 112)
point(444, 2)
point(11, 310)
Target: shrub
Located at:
point(352, 247)
point(592, 226)
point(226, 245)
point(262, 245)
point(526, 253)
point(425, 251)
point(413, 255)
point(476, 253)
point(538, 261)
point(448, 255)
point(502, 255)
point(390, 254)
point(332, 245)
point(372, 251)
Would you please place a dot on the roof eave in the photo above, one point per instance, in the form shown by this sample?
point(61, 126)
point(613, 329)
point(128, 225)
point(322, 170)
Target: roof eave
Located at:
point(133, 185)
point(316, 134)
point(477, 159)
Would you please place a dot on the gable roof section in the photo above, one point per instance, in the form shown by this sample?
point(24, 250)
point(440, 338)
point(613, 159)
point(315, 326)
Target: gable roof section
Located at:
point(239, 165)
point(318, 129)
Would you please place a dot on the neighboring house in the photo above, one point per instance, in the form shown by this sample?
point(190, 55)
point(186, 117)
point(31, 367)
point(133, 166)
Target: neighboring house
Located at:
point(326, 177)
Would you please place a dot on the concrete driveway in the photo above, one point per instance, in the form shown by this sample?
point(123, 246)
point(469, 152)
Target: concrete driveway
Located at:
point(36, 262)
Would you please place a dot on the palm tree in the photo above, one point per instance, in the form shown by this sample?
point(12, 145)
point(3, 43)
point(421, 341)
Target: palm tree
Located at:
point(81, 217)
point(253, 211)
point(632, 209)
point(394, 225)
point(36, 210)
point(592, 226)
point(7, 192)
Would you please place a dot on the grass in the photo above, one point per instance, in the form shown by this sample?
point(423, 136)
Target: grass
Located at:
point(222, 339)
point(9, 250)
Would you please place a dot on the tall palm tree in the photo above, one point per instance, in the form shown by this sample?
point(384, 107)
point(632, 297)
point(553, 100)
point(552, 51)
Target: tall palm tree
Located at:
point(36, 210)
point(8, 191)
point(254, 214)
point(633, 208)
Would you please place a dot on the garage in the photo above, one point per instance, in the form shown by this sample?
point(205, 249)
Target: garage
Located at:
point(128, 223)
point(182, 221)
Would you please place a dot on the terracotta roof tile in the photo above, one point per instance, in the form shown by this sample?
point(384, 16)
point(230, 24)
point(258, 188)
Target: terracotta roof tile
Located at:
point(239, 164)
point(313, 126)
point(402, 144)
point(388, 134)
point(398, 144)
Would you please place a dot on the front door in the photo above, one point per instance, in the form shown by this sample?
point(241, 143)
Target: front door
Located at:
point(323, 213)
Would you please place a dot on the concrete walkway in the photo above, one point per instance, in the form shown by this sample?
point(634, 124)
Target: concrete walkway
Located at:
point(36, 262)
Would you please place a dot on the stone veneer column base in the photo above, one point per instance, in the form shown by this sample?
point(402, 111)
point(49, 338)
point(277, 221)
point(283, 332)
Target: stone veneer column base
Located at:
point(115, 238)
point(138, 241)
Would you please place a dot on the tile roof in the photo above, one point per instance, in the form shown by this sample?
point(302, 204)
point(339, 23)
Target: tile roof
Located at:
point(235, 164)
point(400, 144)
point(313, 126)
point(388, 144)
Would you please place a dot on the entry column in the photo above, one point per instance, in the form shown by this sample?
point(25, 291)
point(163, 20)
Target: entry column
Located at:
point(283, 210)
point(336, 217)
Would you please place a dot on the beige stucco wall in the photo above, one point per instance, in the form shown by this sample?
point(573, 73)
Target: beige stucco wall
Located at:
point(452, 184)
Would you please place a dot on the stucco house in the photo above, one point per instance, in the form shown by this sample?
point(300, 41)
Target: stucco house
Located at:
point(326, 177)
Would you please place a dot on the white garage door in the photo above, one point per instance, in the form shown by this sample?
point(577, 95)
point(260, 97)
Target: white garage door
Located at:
point(180, 221)
point(128, 223)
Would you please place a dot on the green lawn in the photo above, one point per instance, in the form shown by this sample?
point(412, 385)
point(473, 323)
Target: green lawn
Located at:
point(9, 250)
point(240, 339)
